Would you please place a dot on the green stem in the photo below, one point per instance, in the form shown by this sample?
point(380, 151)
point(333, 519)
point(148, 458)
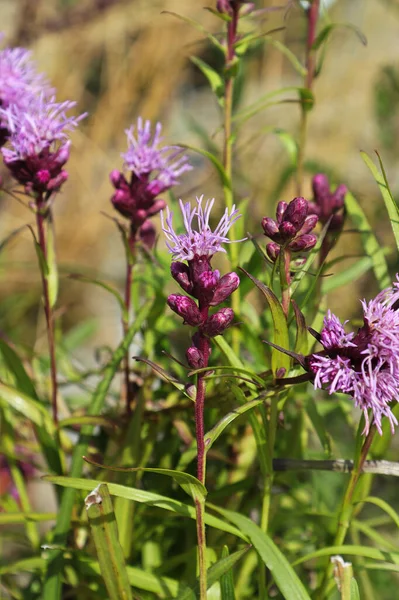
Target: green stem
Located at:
point(130, 255)
point(43, 214)
point(347, 507)
point(285, 279)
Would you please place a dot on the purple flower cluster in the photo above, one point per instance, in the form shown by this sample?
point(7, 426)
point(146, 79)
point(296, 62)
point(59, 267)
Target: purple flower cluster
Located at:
point(20, 82)
point(38, 145)
point(197, 278)
point(365, 364)
point(33, 126)
point(291, 228)
point(154, 169)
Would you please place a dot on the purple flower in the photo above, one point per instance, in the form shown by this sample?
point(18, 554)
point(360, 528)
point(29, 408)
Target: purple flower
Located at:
point(38, 143)
point(327, 204)
point(200, 242)
point(363, 364)
point(153, 170)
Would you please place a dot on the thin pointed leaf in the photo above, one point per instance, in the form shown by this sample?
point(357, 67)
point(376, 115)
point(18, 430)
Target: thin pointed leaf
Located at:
point(369, 242)
point(104, 530)
point(381, 180)
point(283, 574)
point(103, 285)
point(199, 28)
point(190, 484)
point(52, 270)
point(145, 497)
point(227, 580)
point(384, 506)
point(215, 161)
point(280, 325)
point(215, 80)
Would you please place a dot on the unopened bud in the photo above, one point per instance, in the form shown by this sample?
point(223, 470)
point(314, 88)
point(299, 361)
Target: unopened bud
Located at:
point(156, 207)
point(63, 153)
point(56, 182)
point(270, 227)
point(296, 212)
point(185, 307)
point(273, 250)
point(180, 272)
point(287, 231)
point(147, 234)
point(320, 185)
point(116, 178)
point(339, 196)
point(303, 243)
point(309, 224)
point(195, 358)
point(281, 372)
point(217, 323)
point(225, 287)
point(224, 7)
point(281, 208)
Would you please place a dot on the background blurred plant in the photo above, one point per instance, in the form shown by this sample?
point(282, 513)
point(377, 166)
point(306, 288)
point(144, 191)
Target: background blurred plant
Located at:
point(271, 529)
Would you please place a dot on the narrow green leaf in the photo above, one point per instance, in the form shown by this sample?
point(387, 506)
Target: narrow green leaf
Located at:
point(384, 506)
point(351, 550)
point(199, 28)
point(145, 497)
point(280, 325)
point(328, 29)
point(215, 80)
point(22, 517)
point(87, 420)
point(283, 574)
point(354, 591)
point(318, 424)
point(381, 180)
point(15, 365)
point(369, 242)
point(350, 275)
point(190, 484)
point(218, 429)
point(23, 404)
point(215, 161)
point(106, 540)
point(101, 284)
point(301, 341)
point(227, 580)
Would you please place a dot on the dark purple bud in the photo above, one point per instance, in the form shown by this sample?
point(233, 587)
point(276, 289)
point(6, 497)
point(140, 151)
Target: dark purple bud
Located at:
point(320, 185)
point(217, 323)
point(140, 216)
point(224, 7)
point(303, 243)
point(309, 224)
point(287, 230)
point(43, 176)
point(339, 196)
point(148, 234)
point(181, 273)
point(185, 307)
point(296, 212)
point(273, 250)
point(270, 227)
point(281, 208)
point(281, 372)
point(195, 358)
point(226, 286)
point(156, 207)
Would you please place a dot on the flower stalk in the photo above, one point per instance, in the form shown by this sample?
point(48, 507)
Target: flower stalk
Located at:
point(312, 14)
point(43, 217)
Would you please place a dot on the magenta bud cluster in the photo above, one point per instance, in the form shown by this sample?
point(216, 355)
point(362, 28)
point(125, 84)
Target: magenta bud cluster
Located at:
point(209, 289)
point(291, 228)
point(327, 204)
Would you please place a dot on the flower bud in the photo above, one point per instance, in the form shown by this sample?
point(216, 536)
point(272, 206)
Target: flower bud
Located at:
point(116, 178)
point(185, 307)
point(281, 208)
point(43, 176)
point(56, 182)
point(296, 212)
point(273, 250)
point(270, 227)
point(147, 234)
point(207, 281)
point(62, 156)
point(287, 231)
point(309, 224)
point(339, 196)
point(195, 358)
point(225, 287)
point(303, 243)
point(156, 207)
point(224, 7)
point(180, 272)
point(217, 323)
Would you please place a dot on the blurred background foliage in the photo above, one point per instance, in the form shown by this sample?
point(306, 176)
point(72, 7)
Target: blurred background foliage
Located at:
point(124, 58)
